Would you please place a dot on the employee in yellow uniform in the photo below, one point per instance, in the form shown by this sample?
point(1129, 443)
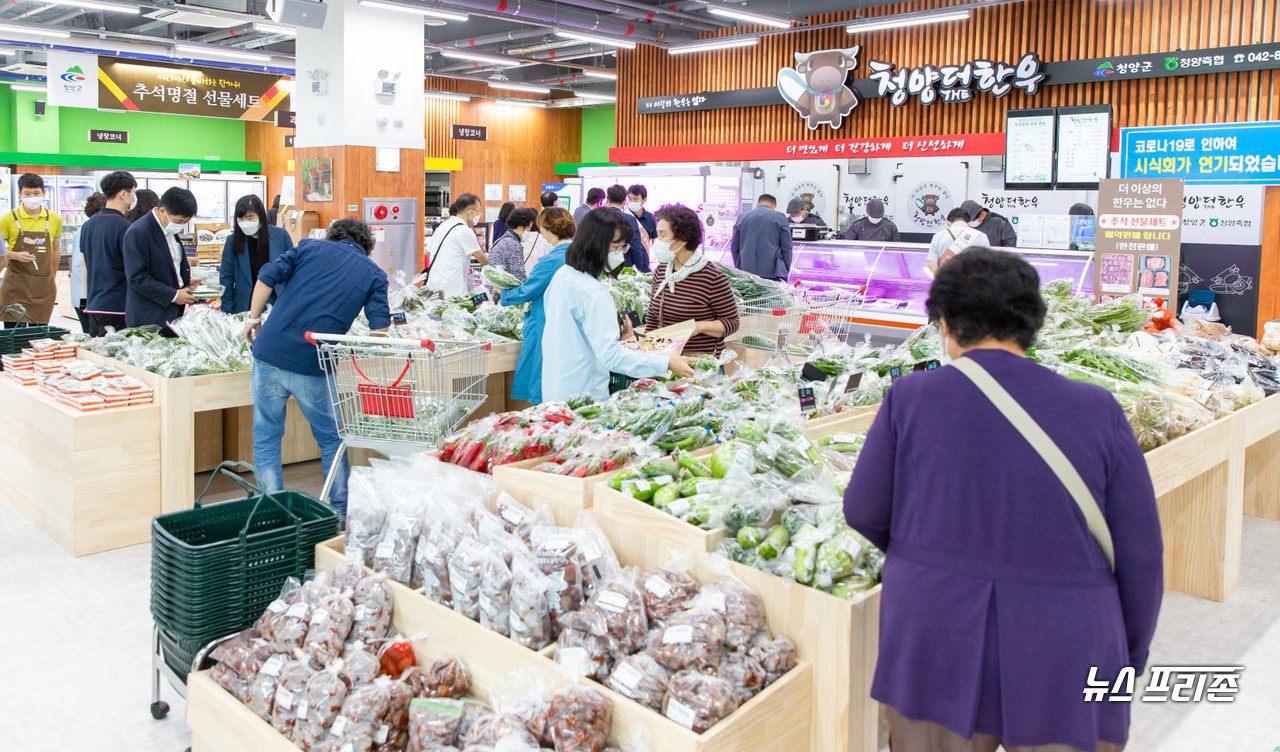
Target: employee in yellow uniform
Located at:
point(31, 235)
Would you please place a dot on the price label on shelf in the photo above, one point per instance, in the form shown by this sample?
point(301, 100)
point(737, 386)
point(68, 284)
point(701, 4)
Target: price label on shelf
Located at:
point(808, 401)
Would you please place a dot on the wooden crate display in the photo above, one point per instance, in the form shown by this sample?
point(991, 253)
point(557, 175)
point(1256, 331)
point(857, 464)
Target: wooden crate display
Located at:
point(777, 718)
point(523, 482)
point(1262, 458)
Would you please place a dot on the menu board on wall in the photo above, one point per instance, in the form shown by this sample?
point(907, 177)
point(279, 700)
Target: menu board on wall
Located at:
point(1084, 146)
point(1028, 149)
point(1139, 239)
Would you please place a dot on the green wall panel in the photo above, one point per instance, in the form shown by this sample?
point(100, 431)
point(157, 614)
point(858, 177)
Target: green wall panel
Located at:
point(151, 135)
point(598, 134)
point(36, 134)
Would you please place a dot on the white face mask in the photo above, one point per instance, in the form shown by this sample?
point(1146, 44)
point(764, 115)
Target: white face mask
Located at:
point(171, 228)
point(616, 258)
point(662, 251)
point(133, 200)
point(945, 357)
point(796, 218)
point(250, 228)
point(975, 223)
point(636, 207)
point(874, 220)
point(33, 203)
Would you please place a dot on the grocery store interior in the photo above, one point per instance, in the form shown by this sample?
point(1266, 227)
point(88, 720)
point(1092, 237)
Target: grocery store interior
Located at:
point(830, 376)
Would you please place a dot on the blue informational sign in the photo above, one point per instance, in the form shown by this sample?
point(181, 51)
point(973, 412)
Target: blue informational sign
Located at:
point(553, 187)
point(1220, 154)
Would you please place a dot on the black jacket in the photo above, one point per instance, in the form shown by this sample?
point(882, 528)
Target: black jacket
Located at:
point(102, 242)
point(152, 283)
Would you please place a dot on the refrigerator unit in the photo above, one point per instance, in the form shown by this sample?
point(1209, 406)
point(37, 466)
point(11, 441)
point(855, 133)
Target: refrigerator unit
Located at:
point(394, 222)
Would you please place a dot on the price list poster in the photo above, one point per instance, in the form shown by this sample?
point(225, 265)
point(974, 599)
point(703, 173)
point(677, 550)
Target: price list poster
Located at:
point(1139, 240)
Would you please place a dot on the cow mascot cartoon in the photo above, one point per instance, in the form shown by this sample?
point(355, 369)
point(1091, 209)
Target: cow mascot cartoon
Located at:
point(816, 86)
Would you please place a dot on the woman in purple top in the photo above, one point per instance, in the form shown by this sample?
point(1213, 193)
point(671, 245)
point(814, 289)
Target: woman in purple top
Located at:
point(997, 600)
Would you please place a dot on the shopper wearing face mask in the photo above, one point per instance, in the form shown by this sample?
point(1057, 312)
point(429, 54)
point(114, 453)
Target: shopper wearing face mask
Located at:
point(556, 227)
point(797, 212)
point(155, 264)
point(997, 229)
point(636, 196)
point(252, 245)
point(580, 346)
point(102, 243)
point(508, 251)
point(31, 234)
point(688, 287)
point(453, 245)
point(953, 239)
point(874, 227)
point(637, 256)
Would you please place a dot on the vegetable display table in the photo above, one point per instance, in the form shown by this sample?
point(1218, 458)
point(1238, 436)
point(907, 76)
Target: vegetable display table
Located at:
point(1262, 458)
point(89, 480)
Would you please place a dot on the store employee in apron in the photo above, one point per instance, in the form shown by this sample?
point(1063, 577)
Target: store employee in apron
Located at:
point(31, 235)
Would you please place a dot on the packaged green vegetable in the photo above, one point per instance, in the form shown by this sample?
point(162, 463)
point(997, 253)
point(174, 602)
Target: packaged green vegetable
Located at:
point(774, 543)
point(750, 536)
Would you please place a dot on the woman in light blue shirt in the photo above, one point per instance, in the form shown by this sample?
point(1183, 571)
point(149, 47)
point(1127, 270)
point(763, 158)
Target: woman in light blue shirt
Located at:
point(580, 345)
point(92, 206)
point(557, 228)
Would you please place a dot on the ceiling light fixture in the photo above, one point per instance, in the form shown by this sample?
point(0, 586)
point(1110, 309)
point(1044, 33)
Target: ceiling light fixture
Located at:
point(519, 87)
point(92, 5)
point(719, 44)
point(475, 58)
point(4, 52)
point(42, 89)
point(448, 95)
point(897, 22)
point(193, 52)
point(522, 102)
point(446, 15)
point(34, 31)
point(599, 97)
point(620, 43)
point(601, 74)
point(267, 28)
point(743, 15)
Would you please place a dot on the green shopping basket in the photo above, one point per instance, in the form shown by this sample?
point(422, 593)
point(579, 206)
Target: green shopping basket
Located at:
point(216, 567)
point(13, 340)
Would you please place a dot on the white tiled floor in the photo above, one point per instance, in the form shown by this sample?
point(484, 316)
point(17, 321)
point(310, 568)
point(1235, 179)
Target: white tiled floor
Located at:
point(75, 642)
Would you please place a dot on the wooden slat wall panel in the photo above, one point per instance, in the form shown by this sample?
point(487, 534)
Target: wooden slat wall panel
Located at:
point(264, 142)
point(1055, 29)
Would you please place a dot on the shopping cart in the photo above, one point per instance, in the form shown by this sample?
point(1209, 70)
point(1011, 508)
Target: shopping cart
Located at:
point(399, 395)
point(771, 325)
point(831, 313)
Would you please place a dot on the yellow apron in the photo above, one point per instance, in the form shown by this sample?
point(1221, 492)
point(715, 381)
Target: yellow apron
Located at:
point(31, 283)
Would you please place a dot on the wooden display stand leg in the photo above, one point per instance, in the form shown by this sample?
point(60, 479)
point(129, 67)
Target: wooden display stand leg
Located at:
point(177, 442)
point(1262, 479)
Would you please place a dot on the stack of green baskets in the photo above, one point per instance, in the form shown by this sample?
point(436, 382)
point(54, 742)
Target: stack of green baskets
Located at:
point(13, 340)
point(215, 568)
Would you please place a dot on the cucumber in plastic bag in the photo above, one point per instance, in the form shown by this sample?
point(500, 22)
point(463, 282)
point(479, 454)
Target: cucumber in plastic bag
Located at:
point(500, 278)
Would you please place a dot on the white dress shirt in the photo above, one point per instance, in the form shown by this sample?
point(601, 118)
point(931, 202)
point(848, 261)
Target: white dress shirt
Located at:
point(175, 251)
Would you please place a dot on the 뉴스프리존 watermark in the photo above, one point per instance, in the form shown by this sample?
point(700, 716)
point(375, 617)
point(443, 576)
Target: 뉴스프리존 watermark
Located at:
point(1168, 684)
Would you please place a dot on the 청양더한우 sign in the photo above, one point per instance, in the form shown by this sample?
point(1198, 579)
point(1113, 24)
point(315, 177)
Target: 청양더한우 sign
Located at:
point(1139, 239)
point(176, 89)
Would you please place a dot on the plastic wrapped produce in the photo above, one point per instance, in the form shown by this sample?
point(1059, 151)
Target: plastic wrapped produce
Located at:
point(776, 654)
point(229, 680)
point(525, 694)
point(446, 678)
point(697, 701)
point(330, 624)
point(530, 609)
point(359, 665)
point(372, 600)
point(367, 704)
point(262, 692)
point(668, 590)
point(692, 639)
point(494, 598)
point(394, 553)
point(435, 546)
point(290, 593)
point(433, 723)
point(746, 675)
point(641, 678)
point(346, 575)
point(518, 519)
point(243, 654)
point(578, 720)
point(320, 704)
point(366, 516)
point(347, 736)
point(472, 714)
point(289, 629)
point(620, 602)
point(557, 554)
point(585, 643)
point(294, 675)
point(465, 565)
point(492, 730)
point(396, 722)
point(597, 561)
point(739, 606)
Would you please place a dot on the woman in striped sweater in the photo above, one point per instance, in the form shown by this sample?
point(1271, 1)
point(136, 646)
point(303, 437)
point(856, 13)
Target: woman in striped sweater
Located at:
point(688, 286)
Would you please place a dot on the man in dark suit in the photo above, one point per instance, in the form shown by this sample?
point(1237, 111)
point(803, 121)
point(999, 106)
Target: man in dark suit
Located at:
point(155, 264)
point(637, 256)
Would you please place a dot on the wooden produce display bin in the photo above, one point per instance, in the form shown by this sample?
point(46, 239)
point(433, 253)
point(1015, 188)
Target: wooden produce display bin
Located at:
point(776, 719)
point(524, 483)
point(1262, 458)
point(89, 480)
point(236, 424)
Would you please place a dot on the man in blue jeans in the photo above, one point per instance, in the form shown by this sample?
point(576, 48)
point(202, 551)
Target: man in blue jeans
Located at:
point(320, 286)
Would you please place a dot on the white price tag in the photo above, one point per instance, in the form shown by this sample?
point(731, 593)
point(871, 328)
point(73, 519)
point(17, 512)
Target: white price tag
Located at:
point(801, 443)
point(681, 634)
point(657, 585)
point(846, 438)
point(851, 547)
point(361, 610)
point(385, 549)
point(339, 726)
point(273, 665)
point(284, 698)
point(573, 657)
point(303, 707)
point(612, 601)
point(662, 480)
point(298, 611)
point(591, 551)
point(277, 606)
point(319, 615)
point(713, 600)
point(383, 732)
point(706, 487)
point(679, 507)
point(627, 675)
point(681, 713)
point(512, 515)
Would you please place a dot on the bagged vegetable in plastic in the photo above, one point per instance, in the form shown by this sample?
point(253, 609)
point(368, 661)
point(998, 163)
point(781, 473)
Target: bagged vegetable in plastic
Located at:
point(347, 736)
point(641, 678)
point(739, 606)
point(529, 609)
point(669, 589)
point(584, 642)
point(519, 519)
point(346, 575)
point(266, 626)
point(494, 600)
point(243, 654)
point(465, 565)
point(556, 552)
point(746, 675)
point(621, 604)
point(330, 624)
point(320, 704)
point(525, 694)
point(294, 675)
point(367, 704)
point(697, 701)
point(500, 278)
point(692, 639)
point(372, 600)
point(229, 680)
point(776, 654)
point(366, 516)
point(289, 629)
point(433, 722)
point(578, 720)
point(262, 692)
point(435, 546)
point(493, 730)
point(395, 550)
point(446, 677)
point(359, 664)
point(596, 557)
point(396, 721)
